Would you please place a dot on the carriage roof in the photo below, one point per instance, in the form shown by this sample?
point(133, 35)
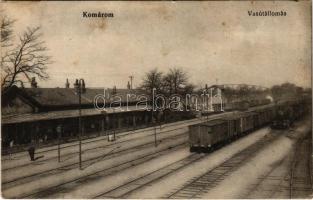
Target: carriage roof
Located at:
point(213, 122)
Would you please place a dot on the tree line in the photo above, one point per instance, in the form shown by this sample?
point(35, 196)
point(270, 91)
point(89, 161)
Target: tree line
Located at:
point(176, 81)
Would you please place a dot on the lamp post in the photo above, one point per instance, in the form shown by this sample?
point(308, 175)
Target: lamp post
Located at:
point(160, 119)
point(114, 127)
point(80, 89)
point(152, 119)
point(114, 124)
point(59, 131)
point(104, 116)
point(154, 128)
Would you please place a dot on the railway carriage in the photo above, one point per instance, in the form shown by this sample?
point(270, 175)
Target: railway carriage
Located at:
point(246, 122)
point(263, 117)
point(207, 135)
point(234, 130)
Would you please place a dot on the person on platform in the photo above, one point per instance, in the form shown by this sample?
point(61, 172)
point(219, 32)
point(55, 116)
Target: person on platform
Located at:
point(31, 151)
point(11, 149)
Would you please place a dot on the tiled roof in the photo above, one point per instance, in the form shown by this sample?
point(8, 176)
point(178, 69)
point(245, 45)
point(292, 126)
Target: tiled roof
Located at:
point(67, 96)
point(210, 122)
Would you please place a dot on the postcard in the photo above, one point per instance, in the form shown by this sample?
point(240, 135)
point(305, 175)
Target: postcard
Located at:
point(156, 99)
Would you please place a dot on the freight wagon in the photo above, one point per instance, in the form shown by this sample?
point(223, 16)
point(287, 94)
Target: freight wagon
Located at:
point(209, 135)
point(206, 136)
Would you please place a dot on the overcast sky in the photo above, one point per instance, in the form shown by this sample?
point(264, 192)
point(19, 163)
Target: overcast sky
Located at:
point(209, 40)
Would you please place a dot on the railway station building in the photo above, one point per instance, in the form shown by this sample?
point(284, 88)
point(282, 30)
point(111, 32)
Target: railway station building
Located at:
point(43, 114)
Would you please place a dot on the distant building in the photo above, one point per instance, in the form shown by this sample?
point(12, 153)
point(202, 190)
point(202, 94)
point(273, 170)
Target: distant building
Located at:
point(208, 99)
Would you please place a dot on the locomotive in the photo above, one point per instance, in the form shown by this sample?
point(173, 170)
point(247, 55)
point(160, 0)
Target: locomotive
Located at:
point(286, 114)
point(283, 118)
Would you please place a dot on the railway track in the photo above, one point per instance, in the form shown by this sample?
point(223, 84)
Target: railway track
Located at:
point(300, 185)
point(123, 190)
point(49, 192)
point(161, 173)
point(86, 162)
point(276, 175)
point(74, 152)
point(282, 181)
point(203, 183)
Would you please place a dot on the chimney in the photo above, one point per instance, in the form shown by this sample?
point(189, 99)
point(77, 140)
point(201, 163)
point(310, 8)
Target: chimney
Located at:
point(67, 84)
point(76, 85)
point(80, 84)
point(128, 85)
point(33, 83)
point(114, 90)
point(83, 86)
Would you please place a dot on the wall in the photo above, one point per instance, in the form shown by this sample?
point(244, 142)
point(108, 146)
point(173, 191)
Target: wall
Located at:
point(16, 106)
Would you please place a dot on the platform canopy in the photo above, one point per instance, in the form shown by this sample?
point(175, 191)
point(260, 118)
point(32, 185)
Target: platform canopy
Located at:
point(12, 119)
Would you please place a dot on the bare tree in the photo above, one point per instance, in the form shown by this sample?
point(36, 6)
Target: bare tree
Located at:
point(28, 59)
point(6, 31)
point(152, 79)
point(175, 81)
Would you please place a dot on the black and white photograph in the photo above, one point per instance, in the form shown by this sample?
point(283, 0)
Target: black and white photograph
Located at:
point(156, 99)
